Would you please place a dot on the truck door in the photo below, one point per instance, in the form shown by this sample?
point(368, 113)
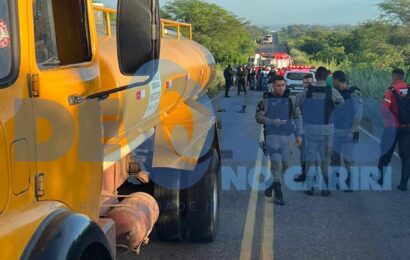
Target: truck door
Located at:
point(17, 157)
point(66, 65)
point(5, 68)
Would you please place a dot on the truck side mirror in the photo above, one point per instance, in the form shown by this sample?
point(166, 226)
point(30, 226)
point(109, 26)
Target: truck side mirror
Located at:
point(138, 37)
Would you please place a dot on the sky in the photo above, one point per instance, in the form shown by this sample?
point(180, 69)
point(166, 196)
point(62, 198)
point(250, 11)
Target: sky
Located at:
point(274, 13)
point(278, 13)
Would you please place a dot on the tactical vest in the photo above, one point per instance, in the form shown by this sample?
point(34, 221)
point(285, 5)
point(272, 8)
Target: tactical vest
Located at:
point(318, 105)
point(278, 108)
point(343, 115)
point(403, 104)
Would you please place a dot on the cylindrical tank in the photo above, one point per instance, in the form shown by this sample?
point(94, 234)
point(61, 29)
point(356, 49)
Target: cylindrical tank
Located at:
point(134, 219)
point(185, 69)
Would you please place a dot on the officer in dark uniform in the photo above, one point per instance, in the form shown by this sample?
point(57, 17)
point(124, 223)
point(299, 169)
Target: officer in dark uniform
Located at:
point(307, 81)
point(346, 118)
point(228, 75)
point(276, 112)
point(317, 103)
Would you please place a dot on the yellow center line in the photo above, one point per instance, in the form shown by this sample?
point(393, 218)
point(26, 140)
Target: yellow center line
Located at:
point(247, 240)
point(267, 252)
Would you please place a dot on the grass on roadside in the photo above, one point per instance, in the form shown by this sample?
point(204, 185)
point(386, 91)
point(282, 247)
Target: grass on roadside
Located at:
point(218, 83)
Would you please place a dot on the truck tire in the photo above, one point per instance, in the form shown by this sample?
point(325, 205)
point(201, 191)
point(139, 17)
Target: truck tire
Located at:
point(203, 201)
point(67, 235)
point(170, 225)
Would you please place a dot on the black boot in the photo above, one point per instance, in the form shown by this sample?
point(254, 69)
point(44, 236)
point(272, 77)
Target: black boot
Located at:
point(309, 192)
point(268, 191)
point(325, 191)
point(380, 181)
point(278, 194)
point(349, 187)
point(403, 183)
point(309, 185)
point(300, 178)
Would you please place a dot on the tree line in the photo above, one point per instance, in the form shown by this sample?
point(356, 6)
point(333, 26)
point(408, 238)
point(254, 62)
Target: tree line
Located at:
point(230, 39)
point(382, 43)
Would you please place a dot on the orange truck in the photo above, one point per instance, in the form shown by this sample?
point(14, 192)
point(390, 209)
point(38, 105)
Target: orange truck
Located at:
point(105, 131)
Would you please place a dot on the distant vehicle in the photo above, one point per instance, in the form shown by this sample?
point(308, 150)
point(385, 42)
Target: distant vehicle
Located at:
point(265, 62)
point(282, 60)
point(278, 60)
point(254, 60)
point(268, 39)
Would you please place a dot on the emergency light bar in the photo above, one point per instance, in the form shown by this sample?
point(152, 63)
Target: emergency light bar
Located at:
point(290, 67)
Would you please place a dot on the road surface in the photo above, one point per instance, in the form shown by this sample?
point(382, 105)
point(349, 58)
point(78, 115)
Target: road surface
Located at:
point(358, 225)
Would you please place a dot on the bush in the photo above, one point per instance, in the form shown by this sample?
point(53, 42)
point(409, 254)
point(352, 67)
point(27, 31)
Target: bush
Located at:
point(372, 82)
point(218, 83)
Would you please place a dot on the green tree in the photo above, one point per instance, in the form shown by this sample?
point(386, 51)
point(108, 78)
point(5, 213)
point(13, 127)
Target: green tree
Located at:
point(224, 34)
point(331, 53)
point(396, 11)
point(312, 46)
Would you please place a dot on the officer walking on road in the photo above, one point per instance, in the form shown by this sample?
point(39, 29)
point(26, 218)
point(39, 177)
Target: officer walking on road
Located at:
point(276, 112)
point(307, 81)
point(228, 75)
point(241, 81)
point(317, 103)
point(252, 79)
point(346, 118)
point(396, 110)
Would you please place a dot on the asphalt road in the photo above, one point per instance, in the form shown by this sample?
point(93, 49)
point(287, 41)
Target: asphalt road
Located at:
point(358, 225)
point(276, 46)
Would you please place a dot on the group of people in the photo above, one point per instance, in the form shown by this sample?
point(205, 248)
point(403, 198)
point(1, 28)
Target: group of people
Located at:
point(325, 121)
point(257, 78)
point(242, 75)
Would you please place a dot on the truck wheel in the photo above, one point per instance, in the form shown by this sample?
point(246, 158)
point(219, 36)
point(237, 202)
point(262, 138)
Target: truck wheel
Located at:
point(67, 235)
point(170, 225)
point(203, 203)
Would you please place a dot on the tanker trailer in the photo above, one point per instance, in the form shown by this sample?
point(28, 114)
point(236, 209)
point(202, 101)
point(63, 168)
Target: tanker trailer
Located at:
point(162, 137)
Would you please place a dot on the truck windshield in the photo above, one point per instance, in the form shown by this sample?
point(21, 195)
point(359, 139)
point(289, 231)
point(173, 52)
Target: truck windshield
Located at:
point(5, 48)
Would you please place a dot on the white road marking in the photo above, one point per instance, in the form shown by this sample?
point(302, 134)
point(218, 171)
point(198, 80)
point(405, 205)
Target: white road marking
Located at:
point(222, 93)
point(376, 139)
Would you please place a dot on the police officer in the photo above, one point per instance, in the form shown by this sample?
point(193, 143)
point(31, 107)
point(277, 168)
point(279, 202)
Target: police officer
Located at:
point(317, 103)
point(276, 112)
point(346, 118)
point(241, 80)
point(307, 81)
point(228, 75)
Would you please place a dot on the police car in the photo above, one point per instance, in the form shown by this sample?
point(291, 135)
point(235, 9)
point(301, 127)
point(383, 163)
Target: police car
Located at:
point(294, 77)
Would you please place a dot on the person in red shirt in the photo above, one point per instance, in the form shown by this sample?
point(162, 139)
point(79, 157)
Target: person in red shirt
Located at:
point(281, 72)
point(389, 110)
